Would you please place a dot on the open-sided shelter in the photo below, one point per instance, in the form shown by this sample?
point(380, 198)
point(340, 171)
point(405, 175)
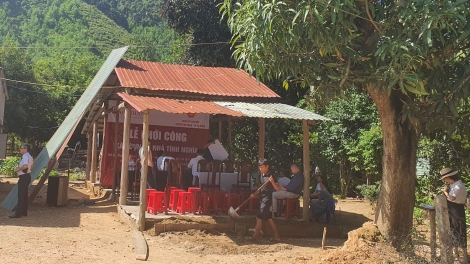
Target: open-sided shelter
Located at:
point(158, 99)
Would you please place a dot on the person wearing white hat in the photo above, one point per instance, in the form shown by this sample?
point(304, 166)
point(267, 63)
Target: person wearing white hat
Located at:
point(456, 194)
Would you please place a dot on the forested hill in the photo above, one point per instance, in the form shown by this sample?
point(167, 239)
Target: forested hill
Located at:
point(64, 42)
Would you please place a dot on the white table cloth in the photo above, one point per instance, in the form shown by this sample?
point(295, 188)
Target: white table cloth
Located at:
point(226, 180)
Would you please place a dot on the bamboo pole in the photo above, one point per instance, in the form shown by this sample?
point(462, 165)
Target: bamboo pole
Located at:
point(94, 154)
point(306, 161)
point(125, 157)
point(230, 137)
point(143, 178)
point(88, 156)
point(115, 161)
point(220, 131)
point(261, 142)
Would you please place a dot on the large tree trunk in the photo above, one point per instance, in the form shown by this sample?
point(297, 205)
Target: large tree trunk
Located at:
point(394, 211)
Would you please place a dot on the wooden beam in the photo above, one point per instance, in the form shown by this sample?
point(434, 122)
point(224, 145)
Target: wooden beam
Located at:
point(94, 154)
point(261, 139)
point(115, 161)
point(125, 157)
point(140, 246)
point(224, 118)
point(306, 161)
point(41, 182)
point(88, 155)
point(230, 137)
point(143, 178)
point(101, 150)
point(220, 131)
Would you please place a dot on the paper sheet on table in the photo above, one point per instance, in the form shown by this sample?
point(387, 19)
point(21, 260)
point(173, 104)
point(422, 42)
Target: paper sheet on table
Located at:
point(217, 151)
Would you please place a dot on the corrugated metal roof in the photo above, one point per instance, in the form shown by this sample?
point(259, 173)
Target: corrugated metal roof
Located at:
point(60, 138)
point(272, 110)
point(239, 109)
point(176, 106)
point(190, 79)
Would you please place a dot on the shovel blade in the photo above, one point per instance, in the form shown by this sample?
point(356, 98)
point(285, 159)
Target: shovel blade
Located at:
point(232, 213)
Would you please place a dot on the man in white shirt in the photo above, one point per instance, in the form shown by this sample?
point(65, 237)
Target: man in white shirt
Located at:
point(161, 170)
point(191, 175)
point(23, 170)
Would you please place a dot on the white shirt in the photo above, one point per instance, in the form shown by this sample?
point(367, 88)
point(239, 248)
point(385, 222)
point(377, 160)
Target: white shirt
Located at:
point(193, 164)
point(161, 165)
point(318, 187)
point(283, 182)
point(26, 159)
point(458, 190)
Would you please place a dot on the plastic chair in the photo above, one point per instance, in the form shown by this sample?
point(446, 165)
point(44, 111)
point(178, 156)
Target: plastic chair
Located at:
point(244, 177)
point(330, 208)
point(158, 203)
point(174, 199)
point(184, 203)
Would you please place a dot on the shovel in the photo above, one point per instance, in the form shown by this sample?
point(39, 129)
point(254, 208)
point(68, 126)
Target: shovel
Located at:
point(233, 212)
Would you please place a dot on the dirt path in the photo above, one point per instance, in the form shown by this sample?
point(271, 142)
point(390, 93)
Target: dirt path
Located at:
point(85, 234)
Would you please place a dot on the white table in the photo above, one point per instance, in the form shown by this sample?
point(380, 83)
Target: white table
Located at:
point(226, 180)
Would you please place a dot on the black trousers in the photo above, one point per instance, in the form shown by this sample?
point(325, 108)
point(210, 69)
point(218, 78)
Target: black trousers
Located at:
point(187, 179)
point(23, 184)
point(150, 178)
point(161, 180)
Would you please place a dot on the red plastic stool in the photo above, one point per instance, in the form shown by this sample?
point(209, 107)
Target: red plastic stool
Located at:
point(220, 201)
point(184, 203)
point(253, 207)
point(147, 194)
point(232, 200)
point(159, 203)
point(292, 208)
point(173, 204)
point(196, 200)
point(208, 203)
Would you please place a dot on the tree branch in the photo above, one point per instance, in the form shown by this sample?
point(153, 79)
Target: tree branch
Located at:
point(370, 18)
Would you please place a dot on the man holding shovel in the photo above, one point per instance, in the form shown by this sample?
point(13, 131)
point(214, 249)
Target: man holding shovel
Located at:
point(266, 199)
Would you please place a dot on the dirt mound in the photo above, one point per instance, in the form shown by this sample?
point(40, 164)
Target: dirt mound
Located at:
point(364, 245)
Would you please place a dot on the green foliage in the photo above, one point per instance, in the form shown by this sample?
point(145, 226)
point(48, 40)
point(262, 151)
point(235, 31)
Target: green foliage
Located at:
point(8, 167)
point(367, 154)
point(77, 174)
point(370, 192)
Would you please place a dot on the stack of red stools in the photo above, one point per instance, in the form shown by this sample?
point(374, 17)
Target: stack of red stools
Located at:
point(292, 208)
point(184, 202)
point(173, 204)
point(219, 200)
point(232, 200)
point(208, 202)
point(147, 194)
point(196, 199)
point(157, 203)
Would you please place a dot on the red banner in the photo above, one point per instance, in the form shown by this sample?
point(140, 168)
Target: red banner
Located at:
point(178, 142)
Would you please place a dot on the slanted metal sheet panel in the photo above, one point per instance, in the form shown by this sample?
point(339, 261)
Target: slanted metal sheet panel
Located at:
point(60, 138)
point(272, 110)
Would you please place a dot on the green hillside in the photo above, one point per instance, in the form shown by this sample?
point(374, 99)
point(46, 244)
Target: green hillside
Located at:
point(64, 42)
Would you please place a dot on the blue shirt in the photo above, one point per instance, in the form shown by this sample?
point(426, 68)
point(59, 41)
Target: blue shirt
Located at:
point(296, 184)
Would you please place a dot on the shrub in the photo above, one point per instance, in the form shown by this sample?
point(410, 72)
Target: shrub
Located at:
point(9, 166)
point(370, 192)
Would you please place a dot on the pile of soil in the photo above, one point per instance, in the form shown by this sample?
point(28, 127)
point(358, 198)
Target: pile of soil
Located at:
point(364, 245)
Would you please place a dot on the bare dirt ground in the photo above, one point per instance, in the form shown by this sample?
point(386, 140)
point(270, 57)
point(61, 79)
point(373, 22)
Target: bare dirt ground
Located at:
point(77, 233)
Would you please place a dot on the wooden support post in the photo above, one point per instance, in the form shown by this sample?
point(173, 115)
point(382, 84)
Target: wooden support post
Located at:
point(143, 178)
point(94, 154)
point(261, 139)
point(306, 161)
point(41, 182)
point(125, 157)
point(88, 156)
point(103, 136)
point(220, 131)
point(443, 228)
point(230, 137)
point(432, 220)
point(115, 162)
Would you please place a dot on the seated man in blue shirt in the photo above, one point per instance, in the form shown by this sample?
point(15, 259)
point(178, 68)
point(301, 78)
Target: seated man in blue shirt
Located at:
point(292, 190)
